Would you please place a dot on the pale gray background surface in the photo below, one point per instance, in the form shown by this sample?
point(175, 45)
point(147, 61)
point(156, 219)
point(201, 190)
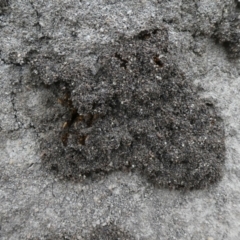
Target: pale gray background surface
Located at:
point(34, 203)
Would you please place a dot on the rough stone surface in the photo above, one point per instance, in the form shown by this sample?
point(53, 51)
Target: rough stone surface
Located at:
point(202, 52)
point(106, 232)
point(228, 31)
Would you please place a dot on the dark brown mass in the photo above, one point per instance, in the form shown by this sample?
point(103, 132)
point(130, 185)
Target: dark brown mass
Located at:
point(136, 111)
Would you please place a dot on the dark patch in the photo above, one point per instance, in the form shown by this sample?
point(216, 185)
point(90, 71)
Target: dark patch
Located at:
point(44, 39)
point(109, 232)
point(52, 236)
point(54, 167)
point(13, 59)
point(82, 139)
point(144, 35)
point(74, 117)
point(228, 33)
point(123, 61)
point(142, 117)
point(237, 4)
point(4, 5)
point(158, 61)
point(65, 139)
point(209, 104)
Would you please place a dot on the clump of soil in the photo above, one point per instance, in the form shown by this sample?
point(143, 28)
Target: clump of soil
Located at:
point(137, 111)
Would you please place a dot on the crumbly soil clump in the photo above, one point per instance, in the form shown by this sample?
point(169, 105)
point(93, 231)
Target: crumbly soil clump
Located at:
point(133, 110)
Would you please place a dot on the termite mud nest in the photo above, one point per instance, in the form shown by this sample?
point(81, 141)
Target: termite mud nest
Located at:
point(137, 111)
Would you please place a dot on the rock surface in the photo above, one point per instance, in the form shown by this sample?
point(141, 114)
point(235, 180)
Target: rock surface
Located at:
point(86, 154)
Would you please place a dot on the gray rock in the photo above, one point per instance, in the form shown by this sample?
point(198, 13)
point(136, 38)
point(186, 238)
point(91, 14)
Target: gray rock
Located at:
point(44, 45)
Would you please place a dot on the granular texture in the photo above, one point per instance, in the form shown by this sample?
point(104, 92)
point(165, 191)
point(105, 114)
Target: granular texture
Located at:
point(55, 237)
point(134, 110)
point(109, 232)
point(3, 6)
point(228, 32)
point(4, 3)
